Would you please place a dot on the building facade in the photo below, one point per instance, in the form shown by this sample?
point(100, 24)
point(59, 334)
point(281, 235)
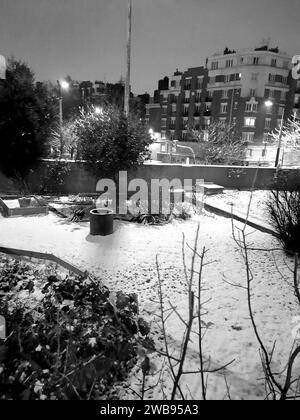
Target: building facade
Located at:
point(250, 89)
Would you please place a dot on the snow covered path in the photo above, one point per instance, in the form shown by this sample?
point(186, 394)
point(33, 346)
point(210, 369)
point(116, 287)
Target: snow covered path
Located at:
point(126, 261)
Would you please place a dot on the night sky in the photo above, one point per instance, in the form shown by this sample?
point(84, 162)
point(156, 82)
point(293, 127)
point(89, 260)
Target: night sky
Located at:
point(87, 38)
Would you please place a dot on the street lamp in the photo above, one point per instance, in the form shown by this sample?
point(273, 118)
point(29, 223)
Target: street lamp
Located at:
point(62, 85)
point(269, 104)
point(98, 110)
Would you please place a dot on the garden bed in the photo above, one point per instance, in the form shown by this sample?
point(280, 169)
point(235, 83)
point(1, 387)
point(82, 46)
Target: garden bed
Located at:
point(66, 338)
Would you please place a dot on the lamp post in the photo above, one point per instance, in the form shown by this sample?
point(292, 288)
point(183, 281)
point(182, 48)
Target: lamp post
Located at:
point(61, 86)
point(128, 63)
point(269, 104)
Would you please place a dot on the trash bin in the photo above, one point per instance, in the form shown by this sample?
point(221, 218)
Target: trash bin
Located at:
point(101, 222)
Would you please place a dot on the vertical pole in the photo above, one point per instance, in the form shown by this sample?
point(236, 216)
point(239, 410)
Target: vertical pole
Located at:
point(128, 69)
point(60, 100)
point(279, 141)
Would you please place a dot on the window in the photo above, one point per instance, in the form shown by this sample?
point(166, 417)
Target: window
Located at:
point(163, 148)
point(198, 97)
point(272, 78)
point(250, 122)
point(254, 76)
point(274, 62)
point(250, 151)
point(281, 110)
point(279, 123)
point(264, 153)
point(207, 121)
point(214, 65)
point(197, 110)
point(234, 120)
point(186, 110)
point(172, 123)
point(222, 120)
point(173, 83)
point(256, 61)
point(199, 82)
point(224, 94)
point(164, 109)
point(187, 84)
point(248, 137)
point(229, 63)
point(187, 96)
point(163, 134)
point(251, 106)
point(227, 78)
point(252, 93)
point(236, 105)
point(164, 122)
point(172, 135)
point(224, 108)
point(268, 123)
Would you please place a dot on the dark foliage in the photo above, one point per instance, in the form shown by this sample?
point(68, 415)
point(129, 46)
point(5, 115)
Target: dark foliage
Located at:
point(26, 115)
point(284, 208)
point(111, 142)
point(72, 344)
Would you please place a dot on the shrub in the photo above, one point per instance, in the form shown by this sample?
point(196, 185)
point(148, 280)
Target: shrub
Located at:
point(65, 338)
point(110, 142)
point(284, 208)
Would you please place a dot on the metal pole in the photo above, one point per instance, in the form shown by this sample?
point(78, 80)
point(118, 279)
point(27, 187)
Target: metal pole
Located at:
point(60, 100)
point(127, 82)
point(279, 142)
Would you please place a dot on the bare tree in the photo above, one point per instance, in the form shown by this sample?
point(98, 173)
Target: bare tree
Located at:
point(220, 143)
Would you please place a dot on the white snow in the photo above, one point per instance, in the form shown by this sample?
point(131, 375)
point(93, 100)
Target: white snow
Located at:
point(126, 261)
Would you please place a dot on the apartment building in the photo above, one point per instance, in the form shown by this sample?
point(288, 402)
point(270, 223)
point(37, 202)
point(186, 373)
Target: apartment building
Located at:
point(180, 104)
point(252, 89)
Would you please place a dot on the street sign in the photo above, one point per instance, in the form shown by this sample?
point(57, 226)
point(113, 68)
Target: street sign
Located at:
point(2, 67)
point(2, 328)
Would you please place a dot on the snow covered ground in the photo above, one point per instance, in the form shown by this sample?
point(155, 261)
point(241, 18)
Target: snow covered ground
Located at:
point(127, 261)
point(240, 202)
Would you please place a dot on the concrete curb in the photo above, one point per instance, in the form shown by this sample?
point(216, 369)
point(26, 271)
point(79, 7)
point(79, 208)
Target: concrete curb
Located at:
point(232, 215)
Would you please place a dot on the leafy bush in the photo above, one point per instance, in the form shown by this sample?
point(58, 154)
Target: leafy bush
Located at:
point(284, 208)
point(110, 142)
point(65, 338)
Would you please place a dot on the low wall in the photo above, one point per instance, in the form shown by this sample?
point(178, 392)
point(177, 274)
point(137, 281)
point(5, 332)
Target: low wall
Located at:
point(79, 180)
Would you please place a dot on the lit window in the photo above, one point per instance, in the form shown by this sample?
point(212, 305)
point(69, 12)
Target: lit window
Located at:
point(250, 122)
